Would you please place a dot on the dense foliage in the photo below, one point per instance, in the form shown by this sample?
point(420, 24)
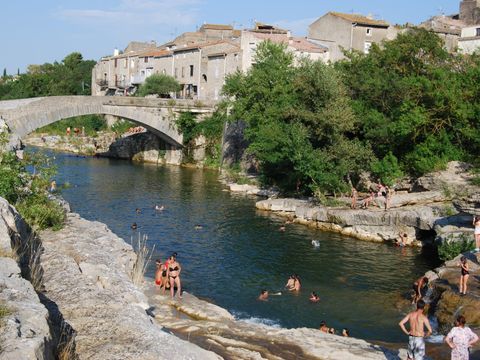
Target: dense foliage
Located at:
point(416, 102)
point(72, 76)
point(159, 84)
point(406, 108)
point(24, 184)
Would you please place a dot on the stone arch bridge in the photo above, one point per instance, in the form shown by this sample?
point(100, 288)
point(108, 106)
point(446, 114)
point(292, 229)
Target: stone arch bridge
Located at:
point(157, 115)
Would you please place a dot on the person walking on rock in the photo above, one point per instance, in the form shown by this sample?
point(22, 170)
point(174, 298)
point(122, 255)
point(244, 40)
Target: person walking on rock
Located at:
point(354, 197)
point(476, 223)
point(416, 336)
point(460, 338)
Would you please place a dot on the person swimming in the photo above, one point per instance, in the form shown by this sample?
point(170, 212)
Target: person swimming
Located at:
point(138, 211)
point(263, 295)
point(323, 327)
point(134, 226)
point(297, 285)
point(198, 227)
point(290, 282)
point(282, 228)
point(159, 208)
point(314, 298)
point(345, 332)
point(316, 243)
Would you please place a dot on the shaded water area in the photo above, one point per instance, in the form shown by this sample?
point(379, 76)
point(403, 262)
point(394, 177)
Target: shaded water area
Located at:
point(239, 250)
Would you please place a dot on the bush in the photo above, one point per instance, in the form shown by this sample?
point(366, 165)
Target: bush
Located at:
point(387, 169)
point(24, 184)
point(451, 248)
point(122, 126)
point(159, 84)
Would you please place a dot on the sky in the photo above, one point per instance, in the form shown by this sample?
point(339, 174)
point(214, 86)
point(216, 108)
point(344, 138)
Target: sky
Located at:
point(40, 31)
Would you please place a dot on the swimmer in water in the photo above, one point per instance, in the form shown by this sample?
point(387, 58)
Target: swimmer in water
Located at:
point(282, 228)
point(314, 298)
point(159, 208)
point(316, 243)
point(323, 327)
point(138, 211)
point(134, 226)
point(263, 295)
point(198, 227)
point(297, 285)
point(290, 283)
point(345, 332)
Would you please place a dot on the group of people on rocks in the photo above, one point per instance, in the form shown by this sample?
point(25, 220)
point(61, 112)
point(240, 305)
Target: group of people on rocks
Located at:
point(136, 130)
point(167, 275)
point(381, 191)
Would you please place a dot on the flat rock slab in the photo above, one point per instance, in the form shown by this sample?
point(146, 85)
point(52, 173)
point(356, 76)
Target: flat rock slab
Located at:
point(87, 274)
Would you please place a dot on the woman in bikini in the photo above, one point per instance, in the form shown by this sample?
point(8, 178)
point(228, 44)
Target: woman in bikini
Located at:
point(464, 273)
point(476, 223)
point(173, 274)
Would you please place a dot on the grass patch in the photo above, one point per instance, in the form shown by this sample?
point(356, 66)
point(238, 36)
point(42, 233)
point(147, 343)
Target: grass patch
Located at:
point(144, 255)
point(4, 310)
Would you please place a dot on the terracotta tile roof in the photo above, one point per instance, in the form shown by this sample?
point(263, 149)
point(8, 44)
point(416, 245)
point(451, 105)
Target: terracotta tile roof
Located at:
point(216, 27)
point(203, 45)
point(302, 44)
point(155, 53)
point(298, 43)
point(359, 19)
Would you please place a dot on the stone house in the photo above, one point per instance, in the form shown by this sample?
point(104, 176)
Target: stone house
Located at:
point(469, 41)
point(470, 12)
point(448, 28)
point(339, 32)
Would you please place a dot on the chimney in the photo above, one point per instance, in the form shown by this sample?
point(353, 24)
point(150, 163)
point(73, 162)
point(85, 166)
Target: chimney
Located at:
point(116, 52)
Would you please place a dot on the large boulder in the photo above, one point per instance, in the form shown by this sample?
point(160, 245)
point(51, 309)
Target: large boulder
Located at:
point(455, 178)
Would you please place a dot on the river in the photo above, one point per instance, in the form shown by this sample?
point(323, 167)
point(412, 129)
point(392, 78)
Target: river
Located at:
point(240, 251)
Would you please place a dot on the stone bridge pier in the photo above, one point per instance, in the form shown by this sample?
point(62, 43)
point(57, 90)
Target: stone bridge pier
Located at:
point(157, 115)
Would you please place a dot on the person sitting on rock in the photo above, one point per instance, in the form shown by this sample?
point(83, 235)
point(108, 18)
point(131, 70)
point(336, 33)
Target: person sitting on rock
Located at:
point(368, 200)
point(263, 295)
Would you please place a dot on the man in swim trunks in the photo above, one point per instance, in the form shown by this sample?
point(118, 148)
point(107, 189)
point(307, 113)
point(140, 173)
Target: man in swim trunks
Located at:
point(416, 335)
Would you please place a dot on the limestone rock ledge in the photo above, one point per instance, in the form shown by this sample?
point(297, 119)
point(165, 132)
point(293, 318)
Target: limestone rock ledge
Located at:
point(24, 330)
point(87, 275)
point(212, 327)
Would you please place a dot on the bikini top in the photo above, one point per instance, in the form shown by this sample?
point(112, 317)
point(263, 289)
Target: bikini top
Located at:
point(173, 269)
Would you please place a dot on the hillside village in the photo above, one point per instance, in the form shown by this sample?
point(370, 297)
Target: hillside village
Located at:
point(201, 60)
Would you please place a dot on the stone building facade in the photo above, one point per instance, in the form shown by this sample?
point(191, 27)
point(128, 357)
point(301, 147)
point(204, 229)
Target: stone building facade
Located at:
point(199, 61)
point(469, 42)
point(470, 12)
point(341, 32)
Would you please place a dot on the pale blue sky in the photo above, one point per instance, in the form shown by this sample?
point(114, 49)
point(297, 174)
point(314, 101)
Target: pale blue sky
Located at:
point(39, 31)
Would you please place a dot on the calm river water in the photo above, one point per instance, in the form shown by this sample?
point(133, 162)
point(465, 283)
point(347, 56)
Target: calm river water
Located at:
point(239, 251)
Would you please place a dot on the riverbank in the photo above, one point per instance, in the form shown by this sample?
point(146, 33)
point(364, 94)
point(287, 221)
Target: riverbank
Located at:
point(443, 211)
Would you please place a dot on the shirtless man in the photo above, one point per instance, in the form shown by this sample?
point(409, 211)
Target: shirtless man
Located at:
point(416, 335)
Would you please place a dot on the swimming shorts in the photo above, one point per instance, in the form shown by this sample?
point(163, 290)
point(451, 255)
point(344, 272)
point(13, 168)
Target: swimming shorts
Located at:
point(416, 347)
point(158, 282)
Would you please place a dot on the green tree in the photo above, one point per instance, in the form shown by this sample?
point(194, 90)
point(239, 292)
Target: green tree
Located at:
point(415, 101)
point(300, 122)
point(4, 73)
point(159, 84)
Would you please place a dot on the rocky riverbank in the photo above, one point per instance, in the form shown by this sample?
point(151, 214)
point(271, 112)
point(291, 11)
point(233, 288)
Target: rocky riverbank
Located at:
point(442, 211)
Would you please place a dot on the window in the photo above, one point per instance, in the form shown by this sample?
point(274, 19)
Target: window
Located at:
point(477, 32)
point(125, 65)
point(146, 59)
point(367, 47)
point(132, 64)
point(235, 57)
point(183, 71)
point(115, 62)
point(369, 32)
point(191, 70)
point(176, 73)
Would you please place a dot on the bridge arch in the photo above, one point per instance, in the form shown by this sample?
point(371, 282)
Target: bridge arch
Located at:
point(156, 115)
